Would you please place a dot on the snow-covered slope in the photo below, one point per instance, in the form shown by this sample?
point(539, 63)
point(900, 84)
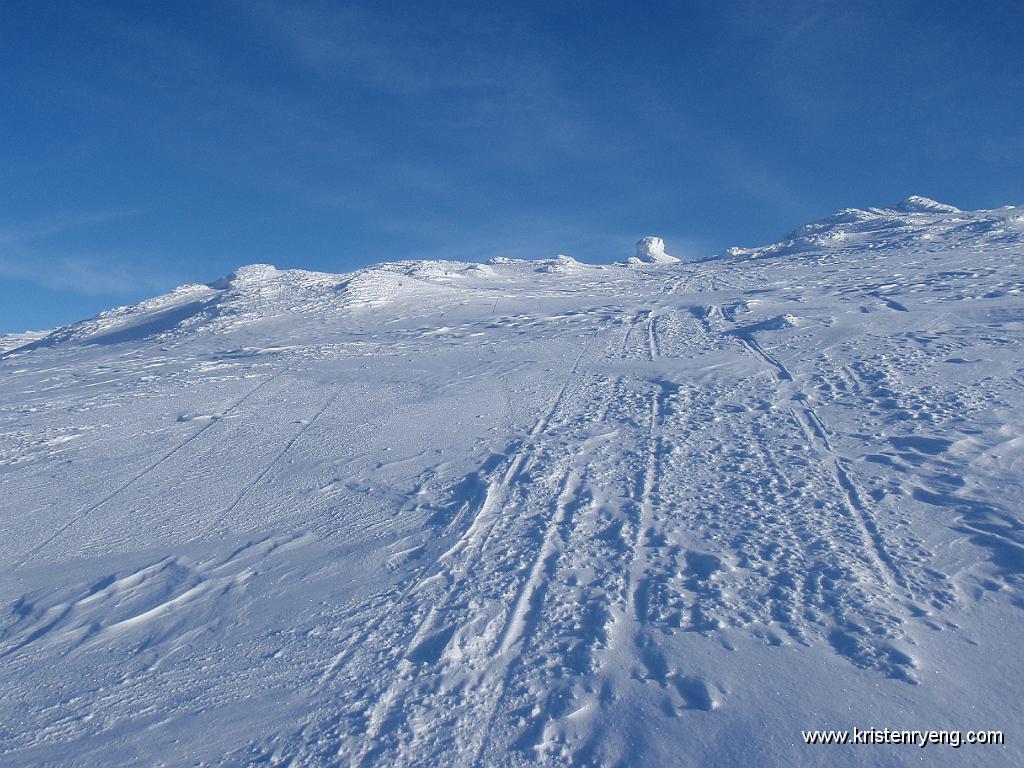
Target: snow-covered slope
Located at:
point(438, 513)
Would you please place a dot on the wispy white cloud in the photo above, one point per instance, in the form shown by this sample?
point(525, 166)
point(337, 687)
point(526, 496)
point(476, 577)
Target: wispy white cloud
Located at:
point(355, 43)
point(28, 253)
point(42, 228)
point(493, 74)
point(90, 275)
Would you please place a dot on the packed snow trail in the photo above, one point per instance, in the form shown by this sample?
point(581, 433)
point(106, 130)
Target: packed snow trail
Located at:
point(522, 513)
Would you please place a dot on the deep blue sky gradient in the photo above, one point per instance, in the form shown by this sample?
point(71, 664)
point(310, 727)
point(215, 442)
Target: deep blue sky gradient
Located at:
point(148, 144)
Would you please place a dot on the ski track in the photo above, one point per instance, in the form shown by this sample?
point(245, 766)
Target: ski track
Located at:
point(453, 566)
point(250, 487)
point(812, 426)
point(80, 516)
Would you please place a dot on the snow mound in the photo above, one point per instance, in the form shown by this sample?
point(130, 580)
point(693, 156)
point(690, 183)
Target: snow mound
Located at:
point(560, 263)
point(918, 204)
point(651, 250)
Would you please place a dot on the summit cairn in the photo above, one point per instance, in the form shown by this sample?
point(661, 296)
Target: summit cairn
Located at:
point(651, 250)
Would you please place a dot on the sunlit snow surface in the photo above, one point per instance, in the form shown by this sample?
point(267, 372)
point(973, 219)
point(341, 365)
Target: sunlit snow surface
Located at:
point(528, 513)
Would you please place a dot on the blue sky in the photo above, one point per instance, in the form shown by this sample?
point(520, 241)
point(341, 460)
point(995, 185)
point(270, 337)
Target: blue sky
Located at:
point(148, 144)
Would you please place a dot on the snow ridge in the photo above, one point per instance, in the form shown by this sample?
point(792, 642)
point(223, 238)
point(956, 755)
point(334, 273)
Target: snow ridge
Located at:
point(913, 220)
point(258, 292)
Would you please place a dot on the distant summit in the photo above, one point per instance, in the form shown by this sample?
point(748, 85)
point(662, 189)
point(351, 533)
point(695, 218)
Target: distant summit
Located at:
point(651, 250)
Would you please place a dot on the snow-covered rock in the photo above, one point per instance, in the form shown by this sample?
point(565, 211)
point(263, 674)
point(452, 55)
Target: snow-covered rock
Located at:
point(651, 250)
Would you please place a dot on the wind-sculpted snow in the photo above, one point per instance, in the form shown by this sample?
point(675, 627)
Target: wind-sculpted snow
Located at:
point(527, 513)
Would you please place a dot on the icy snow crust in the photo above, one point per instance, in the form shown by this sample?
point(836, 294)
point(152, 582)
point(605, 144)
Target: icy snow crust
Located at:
point(528, 513)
